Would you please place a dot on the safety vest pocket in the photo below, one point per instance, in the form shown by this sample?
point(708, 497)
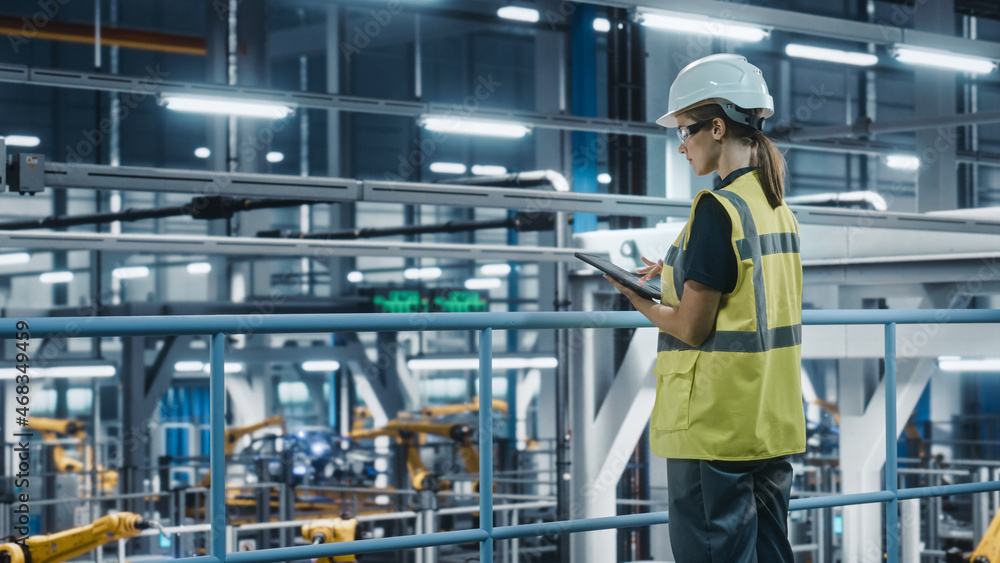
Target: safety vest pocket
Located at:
point(672, 408)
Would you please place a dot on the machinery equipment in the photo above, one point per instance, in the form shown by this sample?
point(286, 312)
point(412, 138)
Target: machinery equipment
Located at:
point(407, 432)
point(234, 434)
point(988, 550)
point(446, 410)
point(331, 530)
point(69, 544)
point(51, 428)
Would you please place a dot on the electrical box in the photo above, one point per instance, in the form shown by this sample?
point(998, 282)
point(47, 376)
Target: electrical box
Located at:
point(26, 173)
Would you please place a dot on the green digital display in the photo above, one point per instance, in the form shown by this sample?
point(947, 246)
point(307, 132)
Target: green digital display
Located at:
point(432, 300)
point(401, 302)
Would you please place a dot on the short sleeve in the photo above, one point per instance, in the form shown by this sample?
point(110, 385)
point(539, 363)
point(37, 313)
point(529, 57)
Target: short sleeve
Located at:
point(709, 258)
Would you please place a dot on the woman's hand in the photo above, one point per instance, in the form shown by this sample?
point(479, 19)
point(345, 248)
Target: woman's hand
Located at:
point(651, 270)
point(626, 291)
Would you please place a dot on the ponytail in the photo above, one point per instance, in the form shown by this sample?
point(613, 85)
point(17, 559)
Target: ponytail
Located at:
point(771, 167)
point(765, 156)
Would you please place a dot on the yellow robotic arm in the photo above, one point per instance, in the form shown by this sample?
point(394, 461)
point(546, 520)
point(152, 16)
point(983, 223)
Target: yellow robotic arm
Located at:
point(445, 410)
point(63, 546)
point(407, 431)
point(234, 434)
point(331, 530)
point(50, 428)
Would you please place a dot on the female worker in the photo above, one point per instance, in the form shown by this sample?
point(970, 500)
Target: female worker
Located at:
point(728, 406)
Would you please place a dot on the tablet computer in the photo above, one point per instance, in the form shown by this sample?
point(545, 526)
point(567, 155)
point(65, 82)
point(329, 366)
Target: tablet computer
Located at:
point(648, 289)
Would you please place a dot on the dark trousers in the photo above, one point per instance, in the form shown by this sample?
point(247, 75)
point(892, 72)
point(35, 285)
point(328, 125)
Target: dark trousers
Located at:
point(729, 511)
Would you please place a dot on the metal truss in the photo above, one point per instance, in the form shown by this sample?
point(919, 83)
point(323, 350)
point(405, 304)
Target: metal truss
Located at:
point(330, 190)
point(880, 33)
point(291, 248)
point(153, 85)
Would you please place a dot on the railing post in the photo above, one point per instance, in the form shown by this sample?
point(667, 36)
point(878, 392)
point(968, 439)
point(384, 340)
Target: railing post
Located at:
point(486, 442)
point(891, 479)
point(217, 463)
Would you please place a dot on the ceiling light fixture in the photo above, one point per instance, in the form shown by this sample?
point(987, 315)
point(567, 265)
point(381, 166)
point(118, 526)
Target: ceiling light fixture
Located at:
point(22, 141)
point(830, 55)
point(321, 365)
point(226, 107)
point(921, 56)
point(517, 13)
point(486, 128)
point(448, 168)
point(697, 25)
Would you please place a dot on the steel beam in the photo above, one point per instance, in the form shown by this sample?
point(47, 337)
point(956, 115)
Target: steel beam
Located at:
point(879, 33)
point(207, 184)
point(154, 85)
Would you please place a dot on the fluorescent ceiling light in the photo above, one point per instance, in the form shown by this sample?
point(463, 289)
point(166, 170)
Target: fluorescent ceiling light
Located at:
point(692, 24)
point(954, 363)
point(902, 162)
point(202, 152)
point(227, 107)
point(494, 269)
point(63, 371)
point(15, 258)
point(199, 268)
point(488, 170)
point(321, 365)
point(942, 59)
point(275, 156)
point(130, 272)
point(189, 366)
point(22, 141)
point(602, 25)
point(56, 277)
point(483, 283)
point(458, 125)
point(431, 273)
point(604, 178)
point(448, 168)
point(472, 363)
point(355, 277)
point(518, 14)
point(830, 55)
point(205, 367)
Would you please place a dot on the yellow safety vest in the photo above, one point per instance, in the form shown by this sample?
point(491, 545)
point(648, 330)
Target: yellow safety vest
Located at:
point(738, 396)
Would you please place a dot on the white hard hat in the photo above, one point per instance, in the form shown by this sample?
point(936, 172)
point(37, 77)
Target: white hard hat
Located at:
point(724, 79)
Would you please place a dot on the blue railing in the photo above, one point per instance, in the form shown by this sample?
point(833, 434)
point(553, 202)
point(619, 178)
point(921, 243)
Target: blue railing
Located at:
point(219, 326)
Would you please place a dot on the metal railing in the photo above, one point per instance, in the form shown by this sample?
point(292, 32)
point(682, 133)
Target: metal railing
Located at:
point(219, 326)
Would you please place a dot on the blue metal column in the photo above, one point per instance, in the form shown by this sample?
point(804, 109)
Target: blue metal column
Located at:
point(486, 442)
point(584, 89)
point(891, 480)
point(217, 461)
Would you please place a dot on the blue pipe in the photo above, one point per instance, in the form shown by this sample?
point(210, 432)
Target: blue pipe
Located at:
point(360, 322)
point(891, 480)
point(277, 554)
point(486, 442)
point(217, 461)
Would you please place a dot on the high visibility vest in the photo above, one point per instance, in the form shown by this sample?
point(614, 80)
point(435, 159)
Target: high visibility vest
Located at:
point(738, 396)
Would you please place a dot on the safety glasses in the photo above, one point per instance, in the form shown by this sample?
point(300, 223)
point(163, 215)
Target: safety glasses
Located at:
point(684, 132)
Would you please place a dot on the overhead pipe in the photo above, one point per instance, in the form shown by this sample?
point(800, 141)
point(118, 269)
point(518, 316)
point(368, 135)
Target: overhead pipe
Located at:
point(864, 126)
point(871, 200)
point(521, 222)
point(199, 208)
point(112, 37)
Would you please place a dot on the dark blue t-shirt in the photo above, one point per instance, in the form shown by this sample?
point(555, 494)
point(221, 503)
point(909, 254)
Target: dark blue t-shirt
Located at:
point(709, 258)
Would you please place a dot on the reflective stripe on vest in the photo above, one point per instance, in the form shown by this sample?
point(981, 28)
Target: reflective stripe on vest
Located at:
point(751, 247)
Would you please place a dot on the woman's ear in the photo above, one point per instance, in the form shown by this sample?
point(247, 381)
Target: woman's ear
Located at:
point(718, 128)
